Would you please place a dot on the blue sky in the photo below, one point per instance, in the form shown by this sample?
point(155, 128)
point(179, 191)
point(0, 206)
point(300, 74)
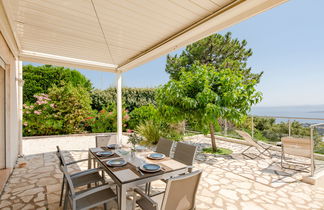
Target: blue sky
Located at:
point(287, 43)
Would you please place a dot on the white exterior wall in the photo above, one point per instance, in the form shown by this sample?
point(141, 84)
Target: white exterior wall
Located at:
point(8, 55)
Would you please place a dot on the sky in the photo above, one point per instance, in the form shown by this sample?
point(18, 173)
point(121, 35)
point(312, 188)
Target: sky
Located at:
point(288, 46)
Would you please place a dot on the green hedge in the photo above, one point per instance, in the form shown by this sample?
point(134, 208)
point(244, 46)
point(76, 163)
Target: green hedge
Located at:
point(132, 97)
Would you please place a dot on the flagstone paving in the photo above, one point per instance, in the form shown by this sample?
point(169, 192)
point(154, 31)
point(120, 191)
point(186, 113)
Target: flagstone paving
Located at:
point(228, 182)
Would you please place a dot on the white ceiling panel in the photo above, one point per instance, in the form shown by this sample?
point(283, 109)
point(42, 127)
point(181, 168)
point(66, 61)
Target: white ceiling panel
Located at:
point(119, 34)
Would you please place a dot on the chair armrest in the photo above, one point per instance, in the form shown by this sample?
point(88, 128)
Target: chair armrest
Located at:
point(140, 192)
point(77, 161)
point(92, 190)
point(86, 172)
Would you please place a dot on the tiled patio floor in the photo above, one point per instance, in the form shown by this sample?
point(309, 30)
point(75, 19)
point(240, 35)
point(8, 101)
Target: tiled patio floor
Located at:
point(229, 182)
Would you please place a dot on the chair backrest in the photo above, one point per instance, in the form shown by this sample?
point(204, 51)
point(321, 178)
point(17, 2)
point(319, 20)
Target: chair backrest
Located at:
point(60, 156)
point(102, 141)
point(185, 153)
point(180, 193)
point(68, 179)
point(248, 138)
point(164, 146)
point(297, 146)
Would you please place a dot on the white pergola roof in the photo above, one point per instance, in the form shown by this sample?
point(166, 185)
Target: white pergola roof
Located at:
point(113, 35)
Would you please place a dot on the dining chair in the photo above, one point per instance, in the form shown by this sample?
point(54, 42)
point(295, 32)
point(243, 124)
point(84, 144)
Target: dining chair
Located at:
point(164, 146)
point(180, 194)
point(86, 199)
point(81, 178)
point(103, 141)
point(185, 153)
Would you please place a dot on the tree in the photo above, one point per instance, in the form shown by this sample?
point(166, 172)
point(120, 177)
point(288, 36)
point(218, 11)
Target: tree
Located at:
point(203, 94)
point(213, 50)
point(38, 79)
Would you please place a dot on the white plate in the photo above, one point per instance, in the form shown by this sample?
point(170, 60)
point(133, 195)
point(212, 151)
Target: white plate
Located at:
point(156, 156)
point(112, 146)
point(151, 168)
point(116, 162)
point(105, 153)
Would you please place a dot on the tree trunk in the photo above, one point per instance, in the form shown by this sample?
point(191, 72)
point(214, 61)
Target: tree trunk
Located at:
point(212, 135)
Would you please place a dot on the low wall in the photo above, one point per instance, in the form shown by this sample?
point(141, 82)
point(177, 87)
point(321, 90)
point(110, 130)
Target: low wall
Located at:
point(42, 144)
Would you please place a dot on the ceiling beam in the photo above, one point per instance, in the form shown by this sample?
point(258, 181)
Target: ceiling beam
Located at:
point(66, 61)
point(235, 12)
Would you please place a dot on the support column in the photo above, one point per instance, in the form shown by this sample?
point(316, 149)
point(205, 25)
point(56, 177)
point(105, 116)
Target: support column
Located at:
point(20, 104)
point(119, 108)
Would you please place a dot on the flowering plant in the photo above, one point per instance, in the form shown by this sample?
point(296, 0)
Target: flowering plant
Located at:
point(134, 139)
point(105, 120)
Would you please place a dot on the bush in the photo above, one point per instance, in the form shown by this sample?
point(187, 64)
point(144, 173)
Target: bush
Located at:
point(142, 114)
point(105, 120)
point(72, 105)
point(150, 130)
point(38, 79)
point(61, 111)
point(132, 98)
point(40, 118)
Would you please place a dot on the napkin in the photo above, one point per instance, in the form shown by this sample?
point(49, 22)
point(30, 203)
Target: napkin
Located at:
point(173, 164)
point(98, 149)
point(125, 175)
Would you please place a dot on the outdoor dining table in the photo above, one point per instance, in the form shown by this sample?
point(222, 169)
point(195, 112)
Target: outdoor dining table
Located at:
point(129, 176)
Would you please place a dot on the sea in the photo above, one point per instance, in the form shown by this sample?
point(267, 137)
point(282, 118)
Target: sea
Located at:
point(316, 112)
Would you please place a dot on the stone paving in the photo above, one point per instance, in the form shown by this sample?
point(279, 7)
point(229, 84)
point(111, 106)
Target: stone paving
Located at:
point(228, 182)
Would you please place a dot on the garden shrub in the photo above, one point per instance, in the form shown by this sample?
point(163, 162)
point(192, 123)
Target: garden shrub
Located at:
point(141, 114)
point(150, 130)
point(72, 104)
point(61, 111)
point(105, 120)
point(38, 79)
point(131, 97)
point(39, 118)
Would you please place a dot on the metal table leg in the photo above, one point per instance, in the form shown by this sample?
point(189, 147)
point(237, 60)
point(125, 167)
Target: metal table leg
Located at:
point(122, 197)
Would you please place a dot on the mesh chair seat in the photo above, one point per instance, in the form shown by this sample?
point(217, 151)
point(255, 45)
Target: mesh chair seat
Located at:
point(94, 199)
point(86, 178)
point(144, 203)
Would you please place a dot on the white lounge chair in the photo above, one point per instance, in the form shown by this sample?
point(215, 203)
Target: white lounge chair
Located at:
point(259, 147)
point(302, 147)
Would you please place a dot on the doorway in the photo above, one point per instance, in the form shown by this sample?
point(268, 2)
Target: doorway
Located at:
point(2, 119)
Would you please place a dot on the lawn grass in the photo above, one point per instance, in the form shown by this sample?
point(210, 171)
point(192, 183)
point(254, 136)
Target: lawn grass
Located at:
point(219, 151)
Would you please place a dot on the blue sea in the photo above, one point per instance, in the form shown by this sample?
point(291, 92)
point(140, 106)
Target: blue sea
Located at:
point(307, 111)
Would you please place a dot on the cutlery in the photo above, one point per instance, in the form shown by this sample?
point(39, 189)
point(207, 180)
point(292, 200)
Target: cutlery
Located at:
point(139, 171)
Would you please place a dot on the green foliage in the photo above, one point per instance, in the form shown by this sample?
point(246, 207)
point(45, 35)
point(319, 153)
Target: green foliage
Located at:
point(142, 114)
point(61, 111)
point(150, 130)
point(204, 95)
point(105, 120)
point(72, 106)
point(40, 118)
point(219, 151)
point(132, 97)
point(38, 79)
point(213, 50)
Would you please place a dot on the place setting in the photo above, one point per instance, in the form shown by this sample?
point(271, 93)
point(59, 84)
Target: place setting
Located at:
point(156, 156)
